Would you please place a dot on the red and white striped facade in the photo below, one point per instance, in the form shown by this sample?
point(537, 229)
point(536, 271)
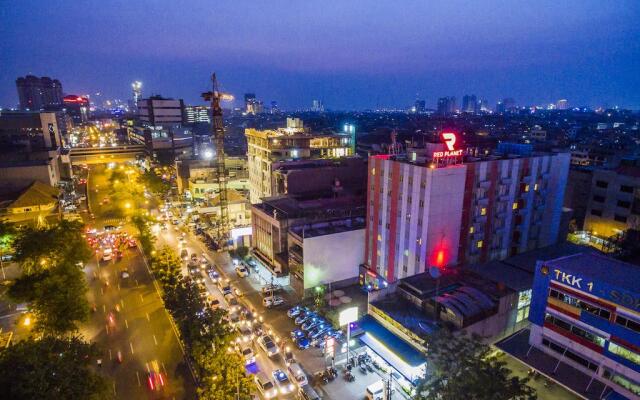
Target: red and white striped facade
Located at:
point(420, 216)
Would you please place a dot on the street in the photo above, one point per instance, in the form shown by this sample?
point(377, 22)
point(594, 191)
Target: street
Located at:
point(141, 330)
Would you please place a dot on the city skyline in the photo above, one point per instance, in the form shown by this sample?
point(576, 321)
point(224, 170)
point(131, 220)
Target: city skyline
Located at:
point(381, 55)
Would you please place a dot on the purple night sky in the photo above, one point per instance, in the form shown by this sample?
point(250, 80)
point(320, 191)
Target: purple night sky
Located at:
point(352, 54)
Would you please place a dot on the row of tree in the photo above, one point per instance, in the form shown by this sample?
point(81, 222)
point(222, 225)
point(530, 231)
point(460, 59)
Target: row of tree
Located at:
point(206, 333)
point(53, 362)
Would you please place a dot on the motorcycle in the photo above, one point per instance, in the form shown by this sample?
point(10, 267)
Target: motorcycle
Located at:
point(349, 377)
point(363, 369)
point(119, 357)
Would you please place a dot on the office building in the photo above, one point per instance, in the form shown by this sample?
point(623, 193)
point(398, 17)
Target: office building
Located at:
point(274, 108)
point(562, 104)
point(160, 126)
point(446, 105)
point(136, 87)
point(268, 148)
point(585, 312)
point(470, 104)
point(252, 105)
point(507, 105)
point(39, 93)
point(77, 107)
point(613, 205)
point(196, 178)
point(197, 114)
point(420, 106)
point(442, 207)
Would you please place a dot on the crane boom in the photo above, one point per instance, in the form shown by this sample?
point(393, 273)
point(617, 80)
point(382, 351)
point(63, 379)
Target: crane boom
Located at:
point(218, 161)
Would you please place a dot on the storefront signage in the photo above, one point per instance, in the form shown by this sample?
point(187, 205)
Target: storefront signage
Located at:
point(449, 140)
point(572, 280)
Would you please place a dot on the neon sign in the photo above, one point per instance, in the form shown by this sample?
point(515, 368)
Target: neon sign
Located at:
point(450, 140)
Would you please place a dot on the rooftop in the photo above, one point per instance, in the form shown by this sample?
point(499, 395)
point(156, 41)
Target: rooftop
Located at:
point(298, 207)
point(329, 227)
point(601, 268)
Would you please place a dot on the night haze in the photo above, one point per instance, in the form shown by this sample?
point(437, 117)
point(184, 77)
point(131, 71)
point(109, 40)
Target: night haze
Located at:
point(351, 54)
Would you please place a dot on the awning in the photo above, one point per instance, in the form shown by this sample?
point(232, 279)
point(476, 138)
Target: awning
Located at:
point(398, 353)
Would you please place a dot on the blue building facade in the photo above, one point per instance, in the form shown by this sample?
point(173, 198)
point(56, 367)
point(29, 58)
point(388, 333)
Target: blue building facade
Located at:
point(585, 311)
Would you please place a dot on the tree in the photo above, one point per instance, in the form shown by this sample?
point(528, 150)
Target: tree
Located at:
point(141, 222)
point(56, 296)
point(153, 182)
point(463, 368)
point(51, 368)
point(40, 248)
point(166, 268)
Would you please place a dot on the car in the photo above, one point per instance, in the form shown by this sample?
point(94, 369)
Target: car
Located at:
point(282, 382)
point(318, 331)
point(265, 386)
point(184, 254)
point(124, 274)
point(312, 323)
point(246, 334)
point(272, 301)
point(249, 356)
point(194, 257)
point(296, 334)
point(231, 300)
point(237, 292)
point(108, 228)
point(303, 343)
point(288, 356)
point(271, 289)
point(226, 289)
point(297, 374)
point(302, 318)
point(214, 275)
point(107, 254)
point(242, 271)
point(155, 380)
point(294, 311)
point(234, 317)
point(215, 304)
point(268, 345)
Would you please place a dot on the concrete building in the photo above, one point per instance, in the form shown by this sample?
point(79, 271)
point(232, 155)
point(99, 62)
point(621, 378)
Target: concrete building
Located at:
point(160, 126)
point(38, 93)
point(577, 195)
point(77, 107)
point(612, 206)
point(585, 311)
point(267, 148)
point(272, 219)
point(196, 179)
point(325, 252)
point(445, 208)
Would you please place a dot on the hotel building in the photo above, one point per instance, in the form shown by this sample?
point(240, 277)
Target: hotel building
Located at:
point(585, 312)
point(442, 206)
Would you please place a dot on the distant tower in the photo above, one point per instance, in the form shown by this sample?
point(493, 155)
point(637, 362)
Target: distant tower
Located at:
point(317, 106)
point(137, 93)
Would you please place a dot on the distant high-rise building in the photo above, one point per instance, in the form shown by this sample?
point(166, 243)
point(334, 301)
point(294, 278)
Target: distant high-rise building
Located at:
point(274, 108)
point(195, 114)
point(137, 94)
point(507, 105)
point(38, 93)
point(562, 104)
point(483, 106)
point(250, 103)
point(420, 106)
point(446, 105)
point(317, 106)
point(470, 104)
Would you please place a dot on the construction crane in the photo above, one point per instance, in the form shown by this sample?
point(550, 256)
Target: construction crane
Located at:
point(215, 97)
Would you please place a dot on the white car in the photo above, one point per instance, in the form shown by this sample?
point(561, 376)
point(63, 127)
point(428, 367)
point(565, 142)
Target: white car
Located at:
point(270, 289)
point(249, 356)
point(107, 254)
point(272, 301)
point(242, 271)
point(268, 345)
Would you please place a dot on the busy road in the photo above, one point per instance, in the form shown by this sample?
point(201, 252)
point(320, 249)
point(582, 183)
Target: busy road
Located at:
point(141, 351)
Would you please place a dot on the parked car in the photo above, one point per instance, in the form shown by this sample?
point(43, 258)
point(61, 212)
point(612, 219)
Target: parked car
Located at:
point(272, 301)
point(296, 334)
point(294, 311)
point(242, 271)
point(304, 317)
point(303, 343)
point(312, 323)
point(271, 289)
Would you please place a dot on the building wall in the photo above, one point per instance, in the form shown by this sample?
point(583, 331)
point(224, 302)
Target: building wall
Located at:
point(19, 177)
point(597, 292)
point(419, 216)
point(609, 209)
point(413, 217)
point(578, 193)
point(332, 258)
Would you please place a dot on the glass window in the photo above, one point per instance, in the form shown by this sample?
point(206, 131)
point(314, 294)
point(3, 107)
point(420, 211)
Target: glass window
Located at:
point(483, 211)
point(524, 298)
point(624, 353)
point(602, 184)
point(626, 189)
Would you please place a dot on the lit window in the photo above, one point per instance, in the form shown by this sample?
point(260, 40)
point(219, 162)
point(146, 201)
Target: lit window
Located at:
point(535, 187)
point(526, 188)
point(406, 253)
point(479, 244)
point(471, 230)
point(515, 206)
point(373, 171)
point(379, 238)
point(483, 211)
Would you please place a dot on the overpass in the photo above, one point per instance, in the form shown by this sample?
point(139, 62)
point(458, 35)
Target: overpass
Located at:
point(101, 155)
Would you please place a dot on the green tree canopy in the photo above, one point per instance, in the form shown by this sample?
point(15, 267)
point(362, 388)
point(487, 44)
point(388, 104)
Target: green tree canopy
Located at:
point(464, 368)
point(153, 182)
point(51, 368)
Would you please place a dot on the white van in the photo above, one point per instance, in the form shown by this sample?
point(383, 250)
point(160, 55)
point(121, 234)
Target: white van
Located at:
point(297, 374)
point(375, 391)
point(265, 386)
